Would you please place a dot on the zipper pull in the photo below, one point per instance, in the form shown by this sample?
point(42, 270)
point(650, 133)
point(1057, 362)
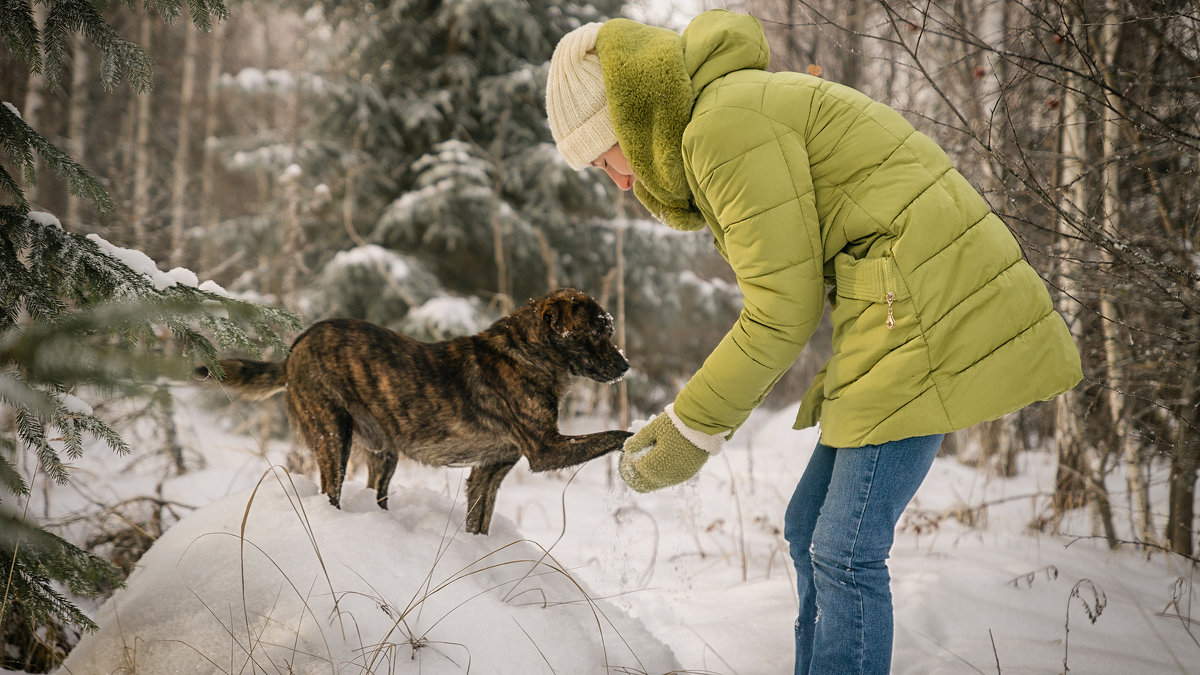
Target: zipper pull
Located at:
point(891, 295)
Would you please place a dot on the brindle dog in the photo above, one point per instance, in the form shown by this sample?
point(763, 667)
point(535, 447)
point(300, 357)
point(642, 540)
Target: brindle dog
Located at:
point(482, 401)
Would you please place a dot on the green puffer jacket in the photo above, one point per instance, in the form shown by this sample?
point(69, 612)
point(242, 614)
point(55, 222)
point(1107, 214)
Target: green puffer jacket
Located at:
point(938, 322)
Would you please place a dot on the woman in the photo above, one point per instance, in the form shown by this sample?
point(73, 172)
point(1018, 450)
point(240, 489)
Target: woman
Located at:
point(809, 186)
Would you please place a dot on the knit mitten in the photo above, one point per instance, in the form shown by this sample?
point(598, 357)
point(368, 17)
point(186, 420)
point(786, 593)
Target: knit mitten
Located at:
point(666, 452)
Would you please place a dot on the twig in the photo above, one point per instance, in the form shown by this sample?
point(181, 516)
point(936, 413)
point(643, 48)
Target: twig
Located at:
point(1078, 537)
point(1093, 610)
point(1050, 570)
point(994, 652)
point(1177, 593)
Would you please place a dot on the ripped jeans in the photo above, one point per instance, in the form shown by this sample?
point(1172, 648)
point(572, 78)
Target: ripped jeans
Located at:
point(840, 525)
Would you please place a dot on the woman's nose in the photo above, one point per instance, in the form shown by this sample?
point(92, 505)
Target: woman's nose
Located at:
point(623, 181)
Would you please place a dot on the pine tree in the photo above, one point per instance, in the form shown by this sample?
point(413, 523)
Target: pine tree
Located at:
point(76, 311)
point(444, 103)
point(450, 164)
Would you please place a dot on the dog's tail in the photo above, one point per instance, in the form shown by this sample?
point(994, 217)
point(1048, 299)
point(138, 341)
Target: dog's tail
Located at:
point(259, 379)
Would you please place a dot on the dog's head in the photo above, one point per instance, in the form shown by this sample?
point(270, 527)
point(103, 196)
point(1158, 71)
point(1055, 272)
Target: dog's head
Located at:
point(582, 332)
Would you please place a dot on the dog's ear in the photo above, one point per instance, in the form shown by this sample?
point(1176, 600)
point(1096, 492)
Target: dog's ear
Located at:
point(549, 312)
point(556, 315)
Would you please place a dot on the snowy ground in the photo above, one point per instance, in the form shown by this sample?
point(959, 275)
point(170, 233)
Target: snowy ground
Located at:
point(701, 569)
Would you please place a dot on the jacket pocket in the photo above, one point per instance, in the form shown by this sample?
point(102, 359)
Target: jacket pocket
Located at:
point(871, 280)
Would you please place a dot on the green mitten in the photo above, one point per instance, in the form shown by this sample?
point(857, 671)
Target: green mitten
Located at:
point(665, 452)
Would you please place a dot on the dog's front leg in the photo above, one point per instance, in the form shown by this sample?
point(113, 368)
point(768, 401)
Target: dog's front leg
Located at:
point(559, 452)
point(482, 485)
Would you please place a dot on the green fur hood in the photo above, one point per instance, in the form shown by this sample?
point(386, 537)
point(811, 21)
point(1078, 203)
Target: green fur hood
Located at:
point(652, 77)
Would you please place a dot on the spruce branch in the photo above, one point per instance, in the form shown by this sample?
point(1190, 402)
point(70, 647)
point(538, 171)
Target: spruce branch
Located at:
point(10, 187)
point(38, 558)
point(120, 57)
point(10, 478)
point(19, 30)
point(21, 142)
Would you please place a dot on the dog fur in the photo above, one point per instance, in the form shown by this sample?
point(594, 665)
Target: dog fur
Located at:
point(483, 401)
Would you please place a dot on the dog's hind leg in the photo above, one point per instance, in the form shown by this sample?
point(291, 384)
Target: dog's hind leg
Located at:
point(327, 430)
point(380, 467)
point(482, 485)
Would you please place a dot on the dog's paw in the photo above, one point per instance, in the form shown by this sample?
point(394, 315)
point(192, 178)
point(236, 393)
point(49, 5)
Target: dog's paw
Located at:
point(617, 438)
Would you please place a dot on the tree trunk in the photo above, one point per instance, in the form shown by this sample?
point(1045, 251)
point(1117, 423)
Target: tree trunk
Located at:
point(171, 445)
point(1185, 464)
point(1070, 491)
point(290, 263)
point(77, 120)
point(852, 58)
point(35, 98)
point(504, 290)
point(208, 173)
point(968, 17)
point(998, 446)
point(1116, 356)
point(182, 147)
point(1081, 475)
point(794, 50)
point(141, 166)
point(623, 386)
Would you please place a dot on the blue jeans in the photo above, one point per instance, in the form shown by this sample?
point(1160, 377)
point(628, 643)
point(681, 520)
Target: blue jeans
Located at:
point(840, 525)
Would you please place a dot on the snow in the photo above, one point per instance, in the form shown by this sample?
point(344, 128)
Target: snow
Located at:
point(395, 266)
point(75, 405)
point(674, 15)
point(375, 256)
point(291, 174)
point(267, 157)
point(255, 80)
point(447, 314)
point(409, 200)
point(248, 79)
point(281, 79)
point(44, 219)
point(275, 579)
point(184, 276)
point(214, 288)
point(707, 287)
point(143, 264)
point(13, 109)
point(137, 261)
point(695, 577)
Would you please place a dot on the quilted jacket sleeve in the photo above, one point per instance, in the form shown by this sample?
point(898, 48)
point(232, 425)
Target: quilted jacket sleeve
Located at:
point(751, 180)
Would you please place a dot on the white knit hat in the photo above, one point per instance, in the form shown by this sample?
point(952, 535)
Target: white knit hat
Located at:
point(575, 102)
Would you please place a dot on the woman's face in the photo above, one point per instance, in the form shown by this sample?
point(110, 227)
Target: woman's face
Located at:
point(615, 164)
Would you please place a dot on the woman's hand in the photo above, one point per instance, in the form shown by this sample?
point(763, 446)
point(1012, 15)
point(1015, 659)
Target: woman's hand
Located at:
point(665, 452)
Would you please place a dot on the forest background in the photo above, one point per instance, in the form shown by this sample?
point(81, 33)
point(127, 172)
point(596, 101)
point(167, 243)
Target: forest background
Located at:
point(391, 161)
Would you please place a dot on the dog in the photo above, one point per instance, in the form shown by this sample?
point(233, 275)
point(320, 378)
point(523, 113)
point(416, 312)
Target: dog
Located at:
point(483, 401)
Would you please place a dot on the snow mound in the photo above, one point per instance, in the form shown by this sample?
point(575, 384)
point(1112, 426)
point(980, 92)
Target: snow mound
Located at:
point(311, 589)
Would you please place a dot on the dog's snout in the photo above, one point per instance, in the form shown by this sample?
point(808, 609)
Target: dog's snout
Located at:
point(623, 363)
point(615, 365)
